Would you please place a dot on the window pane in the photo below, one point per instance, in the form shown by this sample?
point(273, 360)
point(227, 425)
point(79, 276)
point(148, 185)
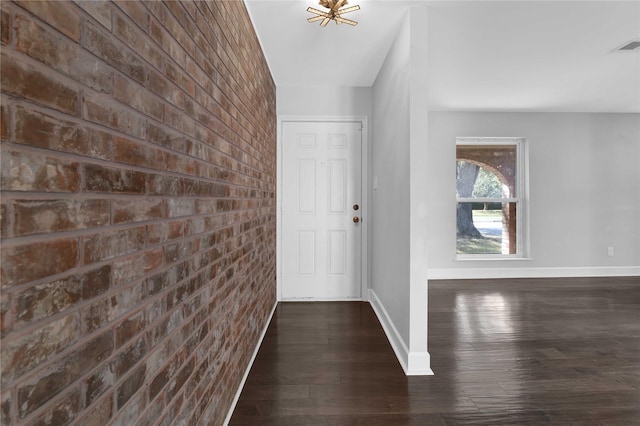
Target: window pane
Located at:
point(486, 228)
point(482, 169)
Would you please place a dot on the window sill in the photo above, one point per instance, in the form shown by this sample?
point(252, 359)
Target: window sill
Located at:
point(483, 259)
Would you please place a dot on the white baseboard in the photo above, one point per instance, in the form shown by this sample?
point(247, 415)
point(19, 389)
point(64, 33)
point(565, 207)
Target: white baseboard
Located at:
point(479, 273)
point(246, 373)
point(314, 299)
point(413, 363)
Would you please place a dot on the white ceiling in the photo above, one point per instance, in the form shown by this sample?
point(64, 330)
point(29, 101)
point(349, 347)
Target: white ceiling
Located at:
point(483, 55)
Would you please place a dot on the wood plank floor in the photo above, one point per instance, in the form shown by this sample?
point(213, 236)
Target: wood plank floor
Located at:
point(506, 352)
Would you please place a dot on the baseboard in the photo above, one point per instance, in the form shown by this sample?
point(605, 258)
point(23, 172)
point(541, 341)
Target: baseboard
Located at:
point(246, 373)
point(412, 363)
point(313, 299)
point(578, 272)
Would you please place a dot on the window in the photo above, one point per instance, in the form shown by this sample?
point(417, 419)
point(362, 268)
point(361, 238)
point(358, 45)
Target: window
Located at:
point(490, 193)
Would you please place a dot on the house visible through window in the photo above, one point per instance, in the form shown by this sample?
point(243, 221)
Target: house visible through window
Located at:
point(490, 190)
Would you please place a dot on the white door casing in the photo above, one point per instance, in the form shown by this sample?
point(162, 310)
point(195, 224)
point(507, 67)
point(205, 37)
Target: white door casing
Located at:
point(321, 176)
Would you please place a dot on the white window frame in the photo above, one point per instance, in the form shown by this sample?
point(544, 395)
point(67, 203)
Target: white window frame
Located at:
point(521, 199)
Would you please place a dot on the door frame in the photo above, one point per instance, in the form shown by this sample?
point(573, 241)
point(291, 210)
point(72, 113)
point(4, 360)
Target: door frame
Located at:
point(364, 214)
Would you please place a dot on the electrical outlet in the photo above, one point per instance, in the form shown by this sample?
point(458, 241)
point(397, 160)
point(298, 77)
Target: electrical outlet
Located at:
point(610, 251)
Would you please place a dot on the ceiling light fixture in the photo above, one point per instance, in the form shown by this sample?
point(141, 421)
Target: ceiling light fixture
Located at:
point(334, 12)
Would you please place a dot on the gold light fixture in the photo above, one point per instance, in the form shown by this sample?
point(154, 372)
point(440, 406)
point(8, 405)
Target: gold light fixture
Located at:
point(335, 12)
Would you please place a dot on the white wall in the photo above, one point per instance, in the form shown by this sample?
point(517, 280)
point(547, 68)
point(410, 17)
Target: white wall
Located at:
point(399, 203)
point(390, 200)
point(323, 101)
point(419, 362)
point(584, 192)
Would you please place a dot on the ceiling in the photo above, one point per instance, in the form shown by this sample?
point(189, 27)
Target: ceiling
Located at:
point(483, 55)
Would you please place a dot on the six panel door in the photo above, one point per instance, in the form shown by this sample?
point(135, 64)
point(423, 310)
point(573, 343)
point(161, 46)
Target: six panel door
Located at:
point(322, 184)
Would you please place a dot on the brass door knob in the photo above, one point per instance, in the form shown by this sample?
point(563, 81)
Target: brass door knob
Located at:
point(356, 219)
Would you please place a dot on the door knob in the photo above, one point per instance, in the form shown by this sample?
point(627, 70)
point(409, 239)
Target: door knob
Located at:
point(356, 219)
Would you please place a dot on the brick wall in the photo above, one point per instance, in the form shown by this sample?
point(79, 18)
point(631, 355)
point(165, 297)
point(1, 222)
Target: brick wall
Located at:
point(138, 210)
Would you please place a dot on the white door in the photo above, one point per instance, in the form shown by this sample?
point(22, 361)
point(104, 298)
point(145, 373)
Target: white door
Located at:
point(321, 203)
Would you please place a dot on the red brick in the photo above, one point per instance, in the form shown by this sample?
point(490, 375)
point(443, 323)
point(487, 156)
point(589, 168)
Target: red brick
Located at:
point(5, 27)
point(178, 32)
point(132, 268)
point(61, 411)
point(129, 357)
point(181, 207)
point(110, 244)
point(157, 9)
point(198, 74)
point(208, 208)
point(159, 382)
point(62, 16)
point(162, 87)
point(136, 11)
point(97, 383)
point(180, 78)
point(136, 154)
point(98, 10)
point(98, 414)
point(103, 179)
point(32, 172)
point(180, 294)
point(180, 379)
point(127, 211)
point(100, 109)
point(166, 231)
point(130, 386)
point(4, 121)
point(167, 43)
point(164, 185)
point(172, 412)
point(4, 220)
point(126, 300)
point(154, 310)
point(181, 164)
point(96, 282)
point(190, 187)
point(43, 300)
point(129, 328)
point(178, 120)
point(166, 326)
point(138, 98)
point(62, 55)
point(23, 79)
point(5, 408)
point(162, 379)
point(211, 189)
point(43, 130)
point(131, 412)
point(185, 21)
point(39, 389)
point(48, 216)
point(96, 315)
point(22, 354)
point(162, 136)
point(134, 37)
point(6, 313)
point(28, 262)
point(201, 151)
point(113, 52)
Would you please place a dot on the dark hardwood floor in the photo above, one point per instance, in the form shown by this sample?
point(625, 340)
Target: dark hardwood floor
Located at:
point(506, 352)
